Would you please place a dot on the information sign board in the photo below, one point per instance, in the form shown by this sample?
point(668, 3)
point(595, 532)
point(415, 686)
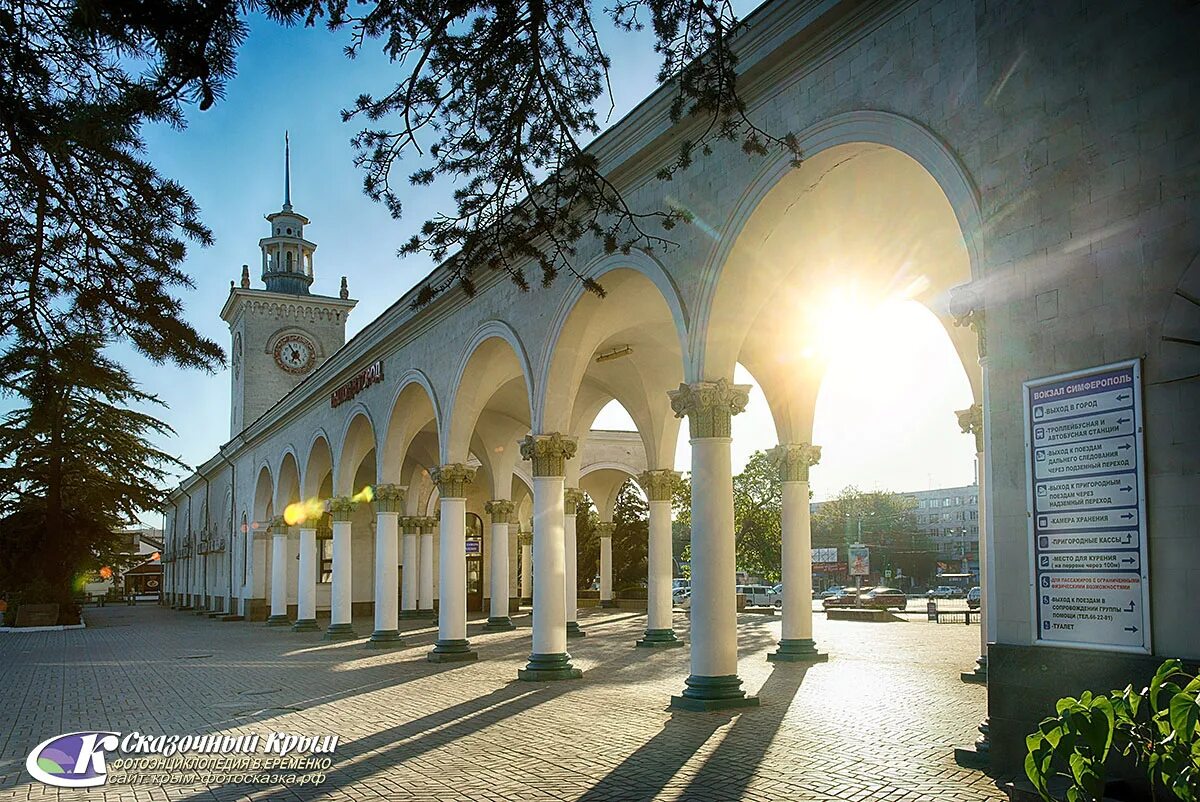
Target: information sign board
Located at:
point(1087, 508)
point(824, 555)
point(860, 561)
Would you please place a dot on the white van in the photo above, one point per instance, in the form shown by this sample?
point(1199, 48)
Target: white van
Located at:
point(759, 595)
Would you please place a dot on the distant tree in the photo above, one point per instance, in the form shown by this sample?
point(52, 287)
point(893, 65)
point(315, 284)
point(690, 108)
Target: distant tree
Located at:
point(888, 525)
point(631, 537)
point(500, 98)
point(89, 230)
point(681, 525)
point(76, 465)
point(587, 542)
point(757, 503)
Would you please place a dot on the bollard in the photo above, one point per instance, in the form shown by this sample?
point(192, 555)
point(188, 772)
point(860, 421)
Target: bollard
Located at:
point(931, 610)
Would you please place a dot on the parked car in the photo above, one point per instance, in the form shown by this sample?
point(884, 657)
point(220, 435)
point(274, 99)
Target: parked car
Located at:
point(879, 598)
point(973, 596)
point(832, 590)
point(682, 598)
point(946, 592)
point(759, 595)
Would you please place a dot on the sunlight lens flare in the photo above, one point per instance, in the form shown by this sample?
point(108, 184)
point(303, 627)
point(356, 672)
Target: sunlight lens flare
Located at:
point(308, 510)
point(365, 495)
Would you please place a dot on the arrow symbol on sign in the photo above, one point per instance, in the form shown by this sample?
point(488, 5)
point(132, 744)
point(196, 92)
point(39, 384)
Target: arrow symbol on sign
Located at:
point(1123, 397)
point(1127, 488)
point(1129, 560)
point(1125, 447)
point(1123, 420)
point(1129, 609)
point(1127, 515)
point(1128, 539)
point(1131, 629)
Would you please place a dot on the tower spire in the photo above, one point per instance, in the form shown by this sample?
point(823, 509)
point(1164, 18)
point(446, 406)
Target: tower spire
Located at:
point(287, 172)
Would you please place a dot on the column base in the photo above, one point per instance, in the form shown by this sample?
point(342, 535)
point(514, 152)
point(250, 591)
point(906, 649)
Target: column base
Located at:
point(797, 650)
point(452, 651)
point(501, 624)
point(573, 630)
point(713, 693)
point(305, 625)
point(608, 603)
point(526, 601)
point(548, 668)
point(980, 675)
point(279, 621)
point(384, 639)
point(660, 639)
point(977, 755)
point(409, 615)
point(425, 612)
point(340, 632)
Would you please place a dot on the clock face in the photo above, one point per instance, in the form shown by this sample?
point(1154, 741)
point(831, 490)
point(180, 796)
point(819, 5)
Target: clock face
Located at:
point(295, 354)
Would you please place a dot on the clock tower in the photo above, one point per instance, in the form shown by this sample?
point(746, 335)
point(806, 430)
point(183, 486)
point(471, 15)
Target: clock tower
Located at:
point(280, 333)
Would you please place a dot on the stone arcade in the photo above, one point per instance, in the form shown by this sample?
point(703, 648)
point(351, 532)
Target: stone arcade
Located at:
point(1028, 171)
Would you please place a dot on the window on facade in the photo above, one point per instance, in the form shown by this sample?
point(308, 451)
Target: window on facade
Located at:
point(289, 261)
point(946, 501)
point(957, 500)
point(325, 559)
point(974, 515)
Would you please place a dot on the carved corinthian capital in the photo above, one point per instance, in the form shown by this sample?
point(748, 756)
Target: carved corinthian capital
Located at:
point(341, 508)
point(452, 479)
point(572, 499)
point(794, 459)
point(548, 452)
point(659, 485)
point(389, 498)
point(970, 420)
point(709, 406)
point(966, 307)
point(501, 510)
point(278, 526)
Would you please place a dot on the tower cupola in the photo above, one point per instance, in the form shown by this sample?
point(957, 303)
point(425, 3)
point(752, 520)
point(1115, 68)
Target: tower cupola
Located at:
point(287, 257)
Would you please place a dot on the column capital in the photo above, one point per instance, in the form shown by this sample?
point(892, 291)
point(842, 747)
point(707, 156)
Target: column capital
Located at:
point(278, 526)
point(967, 309)
point(548, 452)
point(970, 420)
point(341, 508)
point(794, 459)
point(501, 510)
point(709, 406)
point(452, 479)
point(525, 538)
point(389, 498)
point(659, 485)
point(605, 528)
point(572, 498)
point(410, 522)
point(428, 524)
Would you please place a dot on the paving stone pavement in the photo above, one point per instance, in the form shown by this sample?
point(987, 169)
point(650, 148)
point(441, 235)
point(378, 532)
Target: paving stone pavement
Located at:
point(877, 722)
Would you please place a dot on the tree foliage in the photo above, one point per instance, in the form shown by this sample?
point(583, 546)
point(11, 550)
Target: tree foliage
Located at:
point(757, 506)
point(500, 98)
point(884, 518)
point(91, 235)
point(76, 463)
point(631, 537)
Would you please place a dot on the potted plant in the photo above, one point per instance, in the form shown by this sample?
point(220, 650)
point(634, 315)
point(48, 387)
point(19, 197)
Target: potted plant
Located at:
point(1159, 728)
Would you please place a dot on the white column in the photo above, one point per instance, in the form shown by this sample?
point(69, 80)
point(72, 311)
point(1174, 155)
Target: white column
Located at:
point(278, 574)
point(340, 627)
point(796, 642)
point(549, 660)
point(606, 594)
point(389, 499)
point(660, 632)
point(713, 683)
point(452, 644)
point(501, 511)
point(527, 566)
point(306, 589)
point(411, 584)
point(425, 594)
point(572, 498)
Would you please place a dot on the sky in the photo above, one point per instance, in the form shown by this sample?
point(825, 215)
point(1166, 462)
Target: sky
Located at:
point(296, 79)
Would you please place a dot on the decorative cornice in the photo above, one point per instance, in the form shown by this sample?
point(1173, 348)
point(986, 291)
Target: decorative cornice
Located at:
point(709, 406)
point(659, 485)
point(341, 508)
point(572, 498)
point(548, 452)
point(970, 420)
point(452, 479)
point(794, 459)
point(389, 498)
point(605, 528)
point(501, 510)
